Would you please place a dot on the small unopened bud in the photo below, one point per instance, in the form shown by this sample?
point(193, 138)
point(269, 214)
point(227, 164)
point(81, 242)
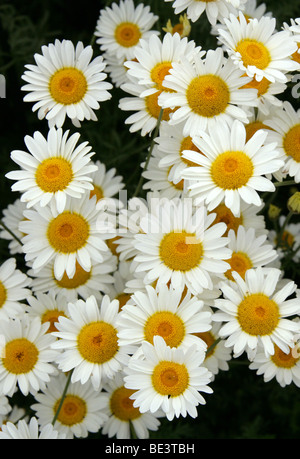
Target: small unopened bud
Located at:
point(273, 212)
point(293, 203)
point(183, 27)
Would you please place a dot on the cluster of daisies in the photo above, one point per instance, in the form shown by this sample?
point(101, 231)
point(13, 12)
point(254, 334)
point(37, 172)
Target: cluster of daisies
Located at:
point(127, 311)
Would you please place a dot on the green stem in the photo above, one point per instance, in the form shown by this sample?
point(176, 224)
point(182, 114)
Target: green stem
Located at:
point(286, 221)
point(212, 346)
point(286, 183)
point(10, 232)
point(139, 185)
point(62, 397)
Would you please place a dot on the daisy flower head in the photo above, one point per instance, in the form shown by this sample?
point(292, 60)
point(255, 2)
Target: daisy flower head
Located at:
point(11, 218)
point(122, 414)
point(65, 82)
point(94, 281)
point(248, 251)
point(230, 169)
point(205, 91)
point(48, 307)
point(154, 59)
point(27, 360)
point(168, 379)
point(164, 312)
point(284, 367)
point(75, 235)
point(14, 289)
point(183, 26)
point(29, 431)
point(294, 29)
point(257, 49)
point(179, 244)
point(106, 183)
point(257, 312)
point(89, 341)
point(81, 411)
point(121, 26)
point(53, 169)
point(285, 129)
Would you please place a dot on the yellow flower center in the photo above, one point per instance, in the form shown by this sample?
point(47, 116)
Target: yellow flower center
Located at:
point(154, 109)
point(158, 74)
point(68, 86)
point(239, 262)
point(98, 342)
point(3, 294)
point(167, 325)
point(113, 244)
point(54, 174)
point(187, 144)
point(98, 192)
point(208, 95)
point(52, 316)
point(20, 356)
point(254, 53)
point(283, 360)
point(127, 34)
point(291, 143)
point(261, 86)
point(223, 214)
point(231, 170)
point(209, 339)
point(122, 406)
point(296, 54)
point(287, 239)
point(181, 251)
point(170, 378)
point(68, 232)
point(80, 278)
point(253, 127)
point(72, 411)
point(258, 315)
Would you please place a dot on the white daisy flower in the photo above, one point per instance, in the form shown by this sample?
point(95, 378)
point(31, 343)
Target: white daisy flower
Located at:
point(164, 312)
point(95, 281)
point(294, 29)
point(206, 91)
point(77, 234)
point(29, 431)
point(48, 307)
point(53, 169)
point(248, 251)
point(12, 216)
point(89, 341)
point(121, 26)
point(231, 169)
point(106, 183)
point(27, 359)
point(116, 69)
point(154, 59)
point(168, 379)
point(117, 290)
point(13, 289)
point(257, 49)
point(66, 82)
point(81, 411)
point(122, 415)
point(179, 244)
point(284, 367)
point(285, 130)
point(214, 9)
point(256, 312)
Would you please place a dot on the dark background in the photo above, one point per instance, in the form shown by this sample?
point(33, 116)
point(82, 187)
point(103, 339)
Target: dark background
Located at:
point(242, 406)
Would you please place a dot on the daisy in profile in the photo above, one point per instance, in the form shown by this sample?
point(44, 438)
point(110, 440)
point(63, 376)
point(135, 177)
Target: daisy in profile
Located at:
point(256, 312)
point(121, 26)
point(29, 431)
point(257, 49)
point(287, 240)
point(81, 411)
point(284, 367)
point(285, 130)
point(12, 216)
point(231, 169)
point(48, 307)
point(205, 91)
point(164, 312)
point(183, 26)
point(154, 59)
point(66, 82)
point(53, 169)
point(179, 244)
point(73, 235)
point(106, 183)
point(14, 289)
point(168, 379)
point(89, 341)
point(95, 281)
point(27, 360)
point(122, 415)
point(248, 251)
